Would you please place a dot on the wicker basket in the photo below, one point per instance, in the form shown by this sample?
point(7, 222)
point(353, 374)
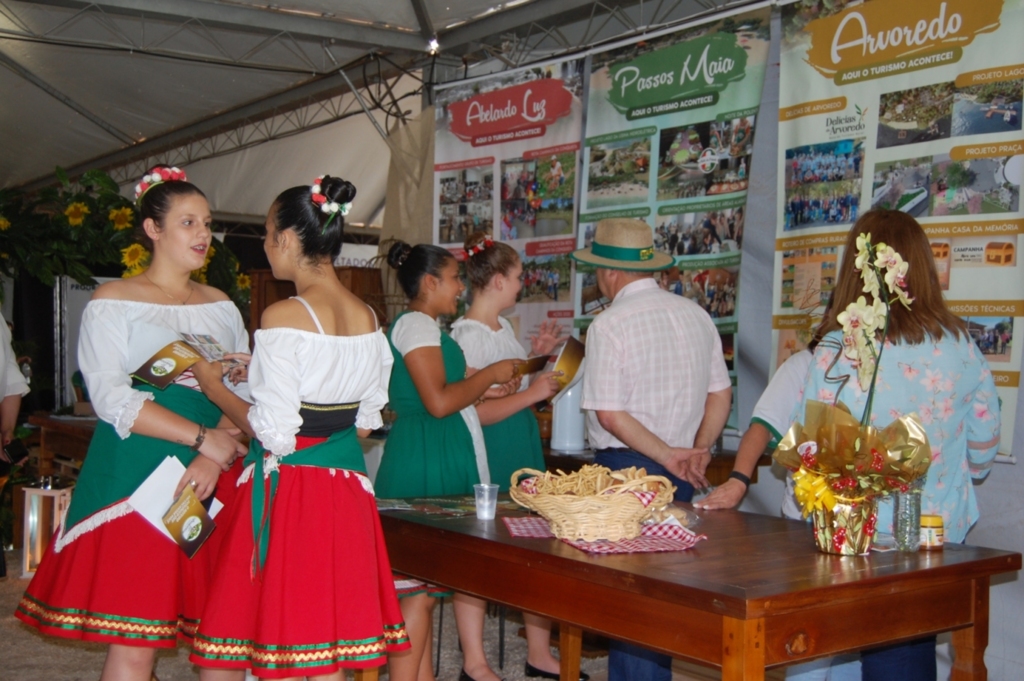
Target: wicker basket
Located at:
point(613, 515)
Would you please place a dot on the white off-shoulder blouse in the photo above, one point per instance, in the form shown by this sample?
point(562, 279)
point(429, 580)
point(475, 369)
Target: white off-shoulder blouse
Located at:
point(119, 336)
point(291, 366)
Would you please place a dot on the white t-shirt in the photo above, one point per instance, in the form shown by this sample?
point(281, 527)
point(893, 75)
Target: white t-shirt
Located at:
point(291, 366)
point(12, 381)
point(483, 346)
point(417, 330)
point(776, 405)
point(119, 336)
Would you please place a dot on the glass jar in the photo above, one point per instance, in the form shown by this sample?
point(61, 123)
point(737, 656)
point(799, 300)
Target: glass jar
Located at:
point(906, 519)
point(932, 532)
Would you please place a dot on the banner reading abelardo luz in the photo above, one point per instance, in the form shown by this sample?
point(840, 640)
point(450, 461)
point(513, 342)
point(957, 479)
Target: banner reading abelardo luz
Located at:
point(506, 158)
point(914, 106)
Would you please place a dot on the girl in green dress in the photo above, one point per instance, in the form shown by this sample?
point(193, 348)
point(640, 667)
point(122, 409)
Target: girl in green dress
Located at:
point(436, 445)
point(510, 428)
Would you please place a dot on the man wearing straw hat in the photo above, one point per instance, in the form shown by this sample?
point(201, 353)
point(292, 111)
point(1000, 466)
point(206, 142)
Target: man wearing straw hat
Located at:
point(656, 388)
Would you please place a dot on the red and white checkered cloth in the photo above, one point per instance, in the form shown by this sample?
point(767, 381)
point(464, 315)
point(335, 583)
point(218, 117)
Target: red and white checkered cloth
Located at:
point(528, 527)
point(653, 538)
point(645, 497)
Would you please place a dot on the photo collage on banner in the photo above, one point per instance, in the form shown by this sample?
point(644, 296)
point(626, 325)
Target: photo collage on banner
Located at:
point(505, 162)
point(919, 111)
point(671, 121)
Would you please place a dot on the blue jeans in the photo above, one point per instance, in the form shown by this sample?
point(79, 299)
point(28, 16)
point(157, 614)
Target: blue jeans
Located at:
point(841, 668)
point(913, 661)
point(628, 661)
point(619, 457)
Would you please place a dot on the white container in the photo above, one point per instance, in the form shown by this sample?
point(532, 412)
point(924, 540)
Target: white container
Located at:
point(567, 419)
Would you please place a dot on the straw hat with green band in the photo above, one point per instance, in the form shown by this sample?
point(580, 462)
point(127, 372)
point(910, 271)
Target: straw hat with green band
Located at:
point(624, 244)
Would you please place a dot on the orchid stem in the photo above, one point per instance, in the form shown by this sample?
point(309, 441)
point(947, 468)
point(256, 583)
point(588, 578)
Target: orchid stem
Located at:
point(866, 417)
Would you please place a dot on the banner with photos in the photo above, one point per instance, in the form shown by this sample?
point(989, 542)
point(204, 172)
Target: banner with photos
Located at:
point(916, 110)
point(670, 128)
point(505, 163)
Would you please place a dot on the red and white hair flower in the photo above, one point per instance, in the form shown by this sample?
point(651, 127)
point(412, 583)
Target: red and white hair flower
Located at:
point(326, 205)
point(480, 247)
point(158, 176)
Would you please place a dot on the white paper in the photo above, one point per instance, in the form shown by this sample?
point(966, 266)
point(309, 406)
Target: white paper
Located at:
point(156, 494)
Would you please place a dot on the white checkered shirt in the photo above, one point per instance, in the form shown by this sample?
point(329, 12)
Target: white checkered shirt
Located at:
point(654, 355)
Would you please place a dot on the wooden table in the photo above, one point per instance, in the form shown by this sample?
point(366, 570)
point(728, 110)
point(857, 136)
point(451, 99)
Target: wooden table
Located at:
point(68, 437)
point(755, 595)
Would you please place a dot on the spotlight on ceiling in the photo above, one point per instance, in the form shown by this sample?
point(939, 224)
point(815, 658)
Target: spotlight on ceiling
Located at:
point(433, 46)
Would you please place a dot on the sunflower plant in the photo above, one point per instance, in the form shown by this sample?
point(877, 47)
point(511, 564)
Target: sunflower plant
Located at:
point(74, 229)
point(85, 228)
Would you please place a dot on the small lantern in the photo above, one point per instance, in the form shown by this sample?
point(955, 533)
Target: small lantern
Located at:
point(45, 506)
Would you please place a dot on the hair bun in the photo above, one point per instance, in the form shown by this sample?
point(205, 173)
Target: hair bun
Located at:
point(474, 239)
point(398, 253)
point(337, 189)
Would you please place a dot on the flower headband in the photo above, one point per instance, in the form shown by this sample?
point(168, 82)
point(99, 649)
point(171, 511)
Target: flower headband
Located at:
point(158, 176)
point(326, 205)
point(480, 247)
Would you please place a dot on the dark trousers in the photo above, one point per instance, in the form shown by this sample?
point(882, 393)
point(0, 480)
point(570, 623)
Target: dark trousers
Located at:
point(620, 457)
point(627, 661)
point(913, 661)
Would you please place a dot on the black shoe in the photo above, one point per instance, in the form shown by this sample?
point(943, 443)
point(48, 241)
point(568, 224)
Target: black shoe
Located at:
point(533, 672)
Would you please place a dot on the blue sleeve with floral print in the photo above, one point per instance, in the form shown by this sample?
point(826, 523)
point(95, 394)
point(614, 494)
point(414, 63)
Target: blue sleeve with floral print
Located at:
point(948, 384)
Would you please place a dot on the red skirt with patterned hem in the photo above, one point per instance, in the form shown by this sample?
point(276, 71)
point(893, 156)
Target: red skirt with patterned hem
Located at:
point(125, 582)
point(323, 600)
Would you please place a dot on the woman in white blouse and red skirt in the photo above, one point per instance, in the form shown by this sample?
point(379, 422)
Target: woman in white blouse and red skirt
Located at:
point(109, 576)
point(304, 586)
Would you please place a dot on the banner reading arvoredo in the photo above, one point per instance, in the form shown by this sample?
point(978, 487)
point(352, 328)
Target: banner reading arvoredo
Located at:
point(912, 106)
point(669, 135)
point(506, 158)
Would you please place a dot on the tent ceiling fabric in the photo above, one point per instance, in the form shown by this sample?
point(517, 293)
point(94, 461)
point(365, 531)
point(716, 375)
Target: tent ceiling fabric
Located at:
point(85, 82)
point(245, 182)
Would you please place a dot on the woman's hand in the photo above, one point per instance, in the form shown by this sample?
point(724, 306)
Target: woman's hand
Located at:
point(239, 373)
point(504, 390)
point(544, 386)
point(202, 474)
point(503, 371)
point(548, 336)
point(727, 495)
point(221, 447)
point(208, 373)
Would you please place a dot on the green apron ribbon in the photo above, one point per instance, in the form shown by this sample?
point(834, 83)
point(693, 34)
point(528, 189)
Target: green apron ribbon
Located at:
point(340, 450)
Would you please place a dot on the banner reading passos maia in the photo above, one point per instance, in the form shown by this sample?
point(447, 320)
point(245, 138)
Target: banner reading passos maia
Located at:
point(669, 135)
point(506, 157)
point(913, 106)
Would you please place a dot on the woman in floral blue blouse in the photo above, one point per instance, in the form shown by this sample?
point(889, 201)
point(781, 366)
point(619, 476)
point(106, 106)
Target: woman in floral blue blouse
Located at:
point(930, 366)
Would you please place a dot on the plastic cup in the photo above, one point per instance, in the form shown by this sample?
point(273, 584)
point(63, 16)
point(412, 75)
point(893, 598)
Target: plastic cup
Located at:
point(486, 501)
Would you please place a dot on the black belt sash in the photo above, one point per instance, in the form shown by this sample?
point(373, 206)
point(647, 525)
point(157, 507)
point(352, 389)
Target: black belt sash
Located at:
point(323, 420)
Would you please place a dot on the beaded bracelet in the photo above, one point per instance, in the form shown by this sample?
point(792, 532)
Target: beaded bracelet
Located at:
point(199, 438)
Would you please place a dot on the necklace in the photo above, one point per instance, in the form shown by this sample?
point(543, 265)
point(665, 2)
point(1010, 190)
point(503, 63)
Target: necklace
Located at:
point(191, 290)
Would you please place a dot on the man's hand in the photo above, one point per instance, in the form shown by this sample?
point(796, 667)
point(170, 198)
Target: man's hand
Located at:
point(688, 465)
point(727, 495)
